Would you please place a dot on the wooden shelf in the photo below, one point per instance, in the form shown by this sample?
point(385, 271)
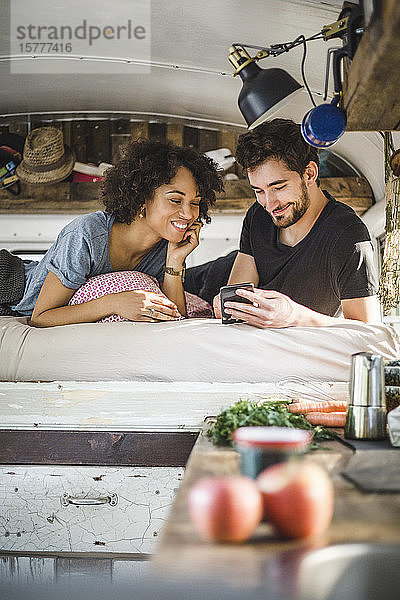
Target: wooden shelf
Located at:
point(66, 197)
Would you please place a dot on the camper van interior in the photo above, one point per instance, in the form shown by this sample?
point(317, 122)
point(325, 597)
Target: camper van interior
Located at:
point(118, 470)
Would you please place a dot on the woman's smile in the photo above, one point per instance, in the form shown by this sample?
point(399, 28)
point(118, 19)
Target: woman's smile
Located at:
point(180, 225)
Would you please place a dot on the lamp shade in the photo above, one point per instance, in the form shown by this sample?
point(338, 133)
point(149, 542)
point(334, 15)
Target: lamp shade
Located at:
point(264, 89)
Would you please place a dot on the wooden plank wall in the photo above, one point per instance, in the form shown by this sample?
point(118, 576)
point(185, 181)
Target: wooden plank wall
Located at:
point(371, 87)
point(95, 141)
point(100, 140)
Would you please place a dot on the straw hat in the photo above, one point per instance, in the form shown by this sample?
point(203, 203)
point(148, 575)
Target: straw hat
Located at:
point(45, 158)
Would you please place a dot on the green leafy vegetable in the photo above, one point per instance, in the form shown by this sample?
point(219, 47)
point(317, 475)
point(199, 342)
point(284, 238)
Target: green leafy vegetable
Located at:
point(269, 412)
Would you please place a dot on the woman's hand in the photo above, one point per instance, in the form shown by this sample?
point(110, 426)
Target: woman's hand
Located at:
point(143, 306)
point(52, 306)
point(177, 253)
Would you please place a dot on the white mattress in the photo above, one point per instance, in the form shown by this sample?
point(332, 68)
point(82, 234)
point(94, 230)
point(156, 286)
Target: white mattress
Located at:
point(192, 350)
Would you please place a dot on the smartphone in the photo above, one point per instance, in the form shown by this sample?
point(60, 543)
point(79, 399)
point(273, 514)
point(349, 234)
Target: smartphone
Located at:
point(228, 294)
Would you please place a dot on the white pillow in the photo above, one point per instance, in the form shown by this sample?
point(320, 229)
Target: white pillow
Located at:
point(189, 350)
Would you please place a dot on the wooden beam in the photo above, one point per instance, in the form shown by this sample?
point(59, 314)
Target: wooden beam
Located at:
point(342, 187)
point(49, 198)
point(175, 133)
point(98, 141)
point(353, 191)
point(85, 197)
point(208, 140)
point(157, 131)
point(120, 136)
point(132, 448)
point(371, 89)
point(79, 140)
point(232, 205)
point(237, 188)
point(20, 129)
point(66, 128)
point(228, 139)
point(139, 129)
point(190, 136)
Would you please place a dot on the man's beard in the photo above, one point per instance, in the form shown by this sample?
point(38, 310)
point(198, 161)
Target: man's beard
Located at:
point(297, 210)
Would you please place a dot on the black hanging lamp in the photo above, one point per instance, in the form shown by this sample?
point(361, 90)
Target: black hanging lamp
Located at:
point(263, 89)
point(267, 89)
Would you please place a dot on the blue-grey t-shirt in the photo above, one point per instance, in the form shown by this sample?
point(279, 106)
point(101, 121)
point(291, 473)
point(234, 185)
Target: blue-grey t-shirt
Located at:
point(81, 251)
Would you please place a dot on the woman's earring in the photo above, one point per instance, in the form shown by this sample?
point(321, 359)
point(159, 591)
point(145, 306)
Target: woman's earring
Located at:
point(142, 213)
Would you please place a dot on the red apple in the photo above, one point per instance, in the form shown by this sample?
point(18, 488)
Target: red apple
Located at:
point(225, 509)
point(298, 498)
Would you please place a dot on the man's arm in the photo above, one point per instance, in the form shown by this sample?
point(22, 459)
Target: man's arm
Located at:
point(362, 309)
point(244, 270)
point(273, 309)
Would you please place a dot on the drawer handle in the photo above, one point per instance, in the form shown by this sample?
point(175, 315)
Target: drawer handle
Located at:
point(112, 500)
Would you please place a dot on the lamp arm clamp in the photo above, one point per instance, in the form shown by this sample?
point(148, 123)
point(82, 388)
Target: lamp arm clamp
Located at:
point(275, 49)
point(336, 29)
point(240, 58)
point(345, 27)
point(350, 29)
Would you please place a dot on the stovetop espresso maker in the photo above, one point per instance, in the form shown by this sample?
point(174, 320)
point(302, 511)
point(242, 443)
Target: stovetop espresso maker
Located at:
point(366, 415)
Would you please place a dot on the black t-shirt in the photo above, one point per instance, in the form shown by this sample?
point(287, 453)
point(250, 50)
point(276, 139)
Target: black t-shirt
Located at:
point(332, 263)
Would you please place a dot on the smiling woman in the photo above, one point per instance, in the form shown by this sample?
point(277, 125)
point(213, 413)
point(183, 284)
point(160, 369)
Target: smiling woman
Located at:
point(156, 198)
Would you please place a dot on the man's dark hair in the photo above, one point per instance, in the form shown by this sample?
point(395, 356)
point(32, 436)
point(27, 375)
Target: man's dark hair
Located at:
point(279, 139)
point(145, 166)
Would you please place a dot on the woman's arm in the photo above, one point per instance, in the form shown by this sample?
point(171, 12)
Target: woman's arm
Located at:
point(173, 287)
point(244, 270)
point(52, 308)
point(176, 255)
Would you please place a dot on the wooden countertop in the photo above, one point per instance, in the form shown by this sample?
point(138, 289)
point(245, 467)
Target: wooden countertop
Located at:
point(358, 517)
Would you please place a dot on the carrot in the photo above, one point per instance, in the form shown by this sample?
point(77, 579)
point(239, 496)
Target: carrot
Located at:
point(306, 406)
point(333, 419)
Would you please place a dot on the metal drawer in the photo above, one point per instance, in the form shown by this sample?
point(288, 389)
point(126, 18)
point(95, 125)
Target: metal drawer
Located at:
point(41, 507)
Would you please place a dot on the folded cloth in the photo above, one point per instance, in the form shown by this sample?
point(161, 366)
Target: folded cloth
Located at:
point(12, 281)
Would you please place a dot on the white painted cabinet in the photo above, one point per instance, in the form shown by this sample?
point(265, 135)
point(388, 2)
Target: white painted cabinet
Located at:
point(38, 514)
point(33, 517)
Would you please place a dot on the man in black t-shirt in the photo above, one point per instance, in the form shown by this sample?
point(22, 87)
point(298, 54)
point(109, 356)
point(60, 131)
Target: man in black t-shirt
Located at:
point(308, 255)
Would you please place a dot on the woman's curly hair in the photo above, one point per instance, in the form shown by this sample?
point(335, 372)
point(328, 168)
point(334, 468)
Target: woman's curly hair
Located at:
point(279, 139)
point(145, 166)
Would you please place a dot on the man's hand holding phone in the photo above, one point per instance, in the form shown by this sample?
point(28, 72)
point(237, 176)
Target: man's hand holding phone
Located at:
point(227, 296)
point(266, 308)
